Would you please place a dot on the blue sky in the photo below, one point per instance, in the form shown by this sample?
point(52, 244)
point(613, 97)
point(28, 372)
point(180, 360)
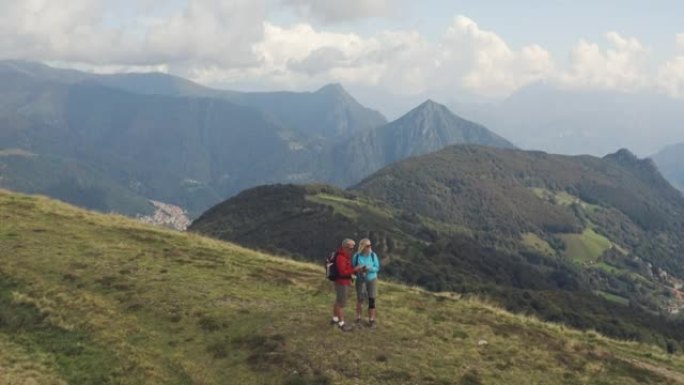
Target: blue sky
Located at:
point(379, 49)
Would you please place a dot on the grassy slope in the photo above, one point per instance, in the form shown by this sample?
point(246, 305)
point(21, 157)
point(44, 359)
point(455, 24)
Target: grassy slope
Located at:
point(87, 298)
point(584, 247)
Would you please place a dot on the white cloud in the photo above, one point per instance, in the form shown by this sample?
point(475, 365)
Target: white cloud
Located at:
point(680, 42)
point(403, 62)
point(670, 78)
point(208, 31)
point(231, 43)
point(336, 11)
point(212, 32)
point(300, 55)
point(43, 29)
point(484, 63)
point(319, 60)
point(620, 67)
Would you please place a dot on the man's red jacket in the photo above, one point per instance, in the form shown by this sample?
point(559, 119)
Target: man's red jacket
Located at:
point(344, 266)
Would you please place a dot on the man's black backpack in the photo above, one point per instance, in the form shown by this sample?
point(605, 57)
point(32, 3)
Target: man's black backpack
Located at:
point(331, 266)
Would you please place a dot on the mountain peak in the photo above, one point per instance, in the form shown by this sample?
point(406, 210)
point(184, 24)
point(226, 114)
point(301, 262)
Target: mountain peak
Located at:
point(623, 156)
point(645, 167)
point(431, 104)
point(332, 88)
point(430, 108)
point(335, 91)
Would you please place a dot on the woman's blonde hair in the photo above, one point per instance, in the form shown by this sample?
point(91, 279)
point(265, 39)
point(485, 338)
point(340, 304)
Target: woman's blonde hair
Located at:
point(363, 243)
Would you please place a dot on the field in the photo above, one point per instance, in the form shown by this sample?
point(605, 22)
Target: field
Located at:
point(585, 247)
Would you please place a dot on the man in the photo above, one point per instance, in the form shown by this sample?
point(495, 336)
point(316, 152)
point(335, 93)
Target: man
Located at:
point(343, 282)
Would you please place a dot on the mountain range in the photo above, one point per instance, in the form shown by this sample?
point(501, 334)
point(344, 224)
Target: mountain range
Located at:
point(161, 137)
point(591, 242)
point(550, 118)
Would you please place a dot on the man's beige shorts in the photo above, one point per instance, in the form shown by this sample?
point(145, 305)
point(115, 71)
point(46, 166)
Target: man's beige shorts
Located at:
point(341, 293)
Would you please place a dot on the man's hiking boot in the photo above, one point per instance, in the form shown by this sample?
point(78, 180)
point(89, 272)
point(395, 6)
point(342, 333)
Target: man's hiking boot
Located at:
point(358, 322)
point(346, 327)
point(371, 323)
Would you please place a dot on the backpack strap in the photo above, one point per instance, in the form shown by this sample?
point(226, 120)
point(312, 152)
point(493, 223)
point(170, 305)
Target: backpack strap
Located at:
point(355, 259)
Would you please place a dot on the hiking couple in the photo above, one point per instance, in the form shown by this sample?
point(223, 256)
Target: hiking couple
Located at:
point(365, 264)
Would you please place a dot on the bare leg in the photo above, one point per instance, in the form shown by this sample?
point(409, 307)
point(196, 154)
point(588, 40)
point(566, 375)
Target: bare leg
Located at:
point(338, 311)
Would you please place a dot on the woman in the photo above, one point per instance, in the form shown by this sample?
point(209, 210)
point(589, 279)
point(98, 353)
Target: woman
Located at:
point(368, 265)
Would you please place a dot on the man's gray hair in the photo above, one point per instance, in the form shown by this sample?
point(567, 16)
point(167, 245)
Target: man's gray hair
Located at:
point(347, 241)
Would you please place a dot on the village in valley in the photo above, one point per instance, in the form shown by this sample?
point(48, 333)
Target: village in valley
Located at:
point(167, 215)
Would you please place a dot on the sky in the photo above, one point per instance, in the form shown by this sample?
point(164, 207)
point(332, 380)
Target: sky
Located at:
point(383, 51)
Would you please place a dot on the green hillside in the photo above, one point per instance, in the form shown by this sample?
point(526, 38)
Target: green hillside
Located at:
point(68, 180)
point(591, 242)
point(88, 298)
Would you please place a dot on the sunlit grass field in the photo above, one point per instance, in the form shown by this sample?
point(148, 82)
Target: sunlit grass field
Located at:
point(87, 298)
point(585, 247)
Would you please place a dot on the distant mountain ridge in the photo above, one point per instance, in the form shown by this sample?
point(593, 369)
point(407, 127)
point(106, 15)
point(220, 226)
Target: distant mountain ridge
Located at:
point(185, 151)
point(427, 128)
point(170, 140)
point(310, 114)
point(546, 117)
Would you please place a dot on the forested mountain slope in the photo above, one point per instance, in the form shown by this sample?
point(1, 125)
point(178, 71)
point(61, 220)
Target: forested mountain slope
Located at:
point(593, 242)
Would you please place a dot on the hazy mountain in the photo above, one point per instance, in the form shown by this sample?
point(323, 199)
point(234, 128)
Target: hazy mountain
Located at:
point(155, 83)
point(41, 72)
point(543, 117)
point(68, 180)
point(427, 128)
point(188, 151)
point(329, 112)
point(174, 141)
point(550, 234)
point(670, 161)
